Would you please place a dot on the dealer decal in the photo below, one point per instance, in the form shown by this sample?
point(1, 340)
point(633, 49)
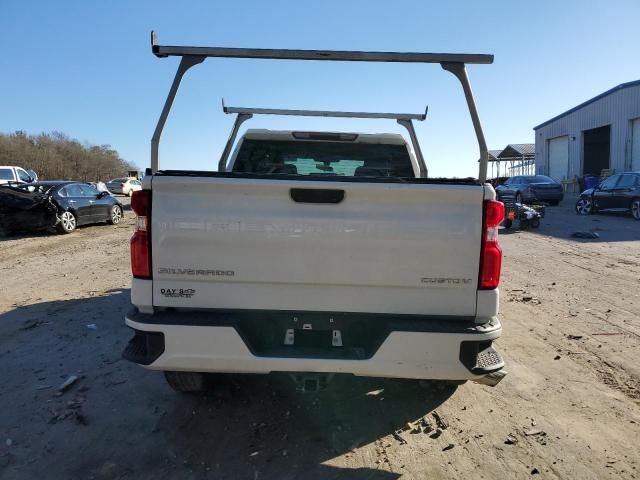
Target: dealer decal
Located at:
point(178, 292)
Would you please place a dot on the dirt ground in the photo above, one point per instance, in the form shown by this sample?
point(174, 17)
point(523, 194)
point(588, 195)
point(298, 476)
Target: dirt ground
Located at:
point(569, 407)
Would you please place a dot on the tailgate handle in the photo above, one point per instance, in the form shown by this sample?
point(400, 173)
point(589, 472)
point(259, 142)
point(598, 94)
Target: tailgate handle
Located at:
point(316, 195)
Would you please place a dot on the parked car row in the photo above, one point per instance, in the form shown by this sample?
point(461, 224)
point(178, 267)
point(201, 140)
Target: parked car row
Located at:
point(64, 205)
point(619, 192)
point(29, 205)
point(11, 175)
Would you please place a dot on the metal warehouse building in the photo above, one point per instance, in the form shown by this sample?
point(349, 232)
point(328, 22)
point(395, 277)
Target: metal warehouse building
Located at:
point(600, 134)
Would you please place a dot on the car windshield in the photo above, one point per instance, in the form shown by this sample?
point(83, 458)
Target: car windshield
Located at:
point(119, 180)
point(273, 157)
point(627, 181)
point(6, 174)
point(539, 179)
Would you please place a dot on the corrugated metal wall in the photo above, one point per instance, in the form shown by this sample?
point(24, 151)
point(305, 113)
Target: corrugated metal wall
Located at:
point(617, 109)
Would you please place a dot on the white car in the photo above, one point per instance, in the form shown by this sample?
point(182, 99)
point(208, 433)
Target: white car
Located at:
point(124, 186)
point(10, 174)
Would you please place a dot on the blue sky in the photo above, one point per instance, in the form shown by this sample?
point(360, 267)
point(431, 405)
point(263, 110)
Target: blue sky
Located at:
point(85, 68)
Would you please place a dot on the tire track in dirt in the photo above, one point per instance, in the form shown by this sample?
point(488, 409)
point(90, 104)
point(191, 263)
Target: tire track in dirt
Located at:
point(608, 304)
point(82, 238)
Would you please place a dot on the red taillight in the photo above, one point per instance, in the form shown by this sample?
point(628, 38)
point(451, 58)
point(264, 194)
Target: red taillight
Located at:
point(141, 203)
point(141, 240)
point(490, 254)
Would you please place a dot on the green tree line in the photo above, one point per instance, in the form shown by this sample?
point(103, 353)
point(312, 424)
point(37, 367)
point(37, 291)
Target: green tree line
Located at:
point(55, 156)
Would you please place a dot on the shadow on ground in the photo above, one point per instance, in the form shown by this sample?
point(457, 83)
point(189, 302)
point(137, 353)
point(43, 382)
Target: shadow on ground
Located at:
point(121, 421)
point(4, 236)
point(52, 232)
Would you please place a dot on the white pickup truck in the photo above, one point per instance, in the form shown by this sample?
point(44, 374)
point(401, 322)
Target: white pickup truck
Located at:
point(315, 253)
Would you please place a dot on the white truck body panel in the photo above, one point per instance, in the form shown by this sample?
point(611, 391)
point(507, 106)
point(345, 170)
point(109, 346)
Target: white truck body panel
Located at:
point(405, 248)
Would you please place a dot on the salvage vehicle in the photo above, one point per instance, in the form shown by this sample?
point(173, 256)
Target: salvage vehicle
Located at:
point(12, 175)
point(316, 253)
point(64, 205)
point(532, 189)
point(527, 215)
point(619, 192)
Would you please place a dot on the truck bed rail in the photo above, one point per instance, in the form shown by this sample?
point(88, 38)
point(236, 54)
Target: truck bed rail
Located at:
point(310, 178)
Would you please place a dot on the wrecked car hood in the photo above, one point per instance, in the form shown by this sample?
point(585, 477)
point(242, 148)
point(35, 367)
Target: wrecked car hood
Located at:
point(23, 210)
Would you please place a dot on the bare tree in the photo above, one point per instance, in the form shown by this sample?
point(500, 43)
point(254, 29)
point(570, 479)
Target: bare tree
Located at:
point(56, 156)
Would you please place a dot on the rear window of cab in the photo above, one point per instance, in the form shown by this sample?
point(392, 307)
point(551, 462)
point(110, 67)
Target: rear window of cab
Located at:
point(314, 158)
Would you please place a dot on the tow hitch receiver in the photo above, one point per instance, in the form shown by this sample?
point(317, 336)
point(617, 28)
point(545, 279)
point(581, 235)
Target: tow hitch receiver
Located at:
point(311, 382)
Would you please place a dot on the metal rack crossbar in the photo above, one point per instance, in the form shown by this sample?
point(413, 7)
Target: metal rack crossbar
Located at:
point(322, 113)
point(190, 56)
point(245, 113)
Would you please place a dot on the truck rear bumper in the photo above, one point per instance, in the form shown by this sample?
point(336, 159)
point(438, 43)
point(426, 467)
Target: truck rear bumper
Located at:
point(408, 347)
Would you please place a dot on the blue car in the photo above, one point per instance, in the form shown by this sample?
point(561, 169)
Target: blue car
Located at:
point(532, 189)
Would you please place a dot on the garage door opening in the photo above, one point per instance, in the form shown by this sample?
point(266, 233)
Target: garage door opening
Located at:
point(596, 148)
point(635, 145)
point(558, 161)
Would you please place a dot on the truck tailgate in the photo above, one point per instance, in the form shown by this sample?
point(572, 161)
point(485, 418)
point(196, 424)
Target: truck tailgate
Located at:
point(238, 243)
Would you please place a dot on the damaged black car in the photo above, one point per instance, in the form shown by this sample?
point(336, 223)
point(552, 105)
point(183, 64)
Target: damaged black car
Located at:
point(63, 205)
point(619, 192)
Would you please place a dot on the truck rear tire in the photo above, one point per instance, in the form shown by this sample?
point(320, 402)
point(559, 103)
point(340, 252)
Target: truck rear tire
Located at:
point(186, 382)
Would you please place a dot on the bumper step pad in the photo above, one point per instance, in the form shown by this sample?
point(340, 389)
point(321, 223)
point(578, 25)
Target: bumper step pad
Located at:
point(480, 357)
point(144, 348)
point(488, 359)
